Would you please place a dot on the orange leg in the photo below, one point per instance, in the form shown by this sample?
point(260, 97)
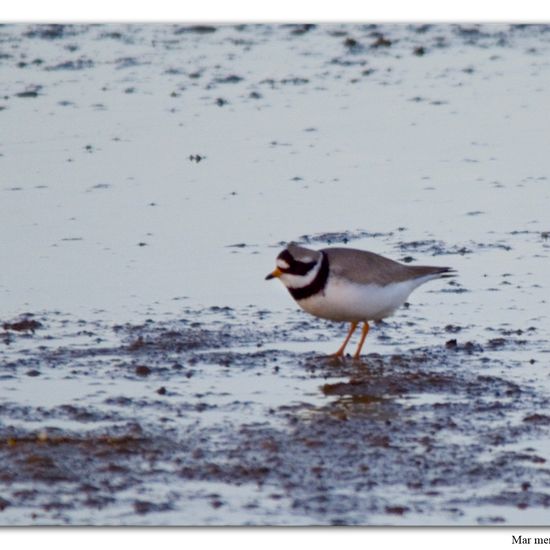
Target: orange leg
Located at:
point(362, 341)
point(340, 352)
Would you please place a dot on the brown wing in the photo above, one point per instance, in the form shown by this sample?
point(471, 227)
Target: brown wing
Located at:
point(366, 267)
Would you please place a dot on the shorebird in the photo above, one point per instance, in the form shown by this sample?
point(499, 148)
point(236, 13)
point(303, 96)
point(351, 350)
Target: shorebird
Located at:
point(346, 284)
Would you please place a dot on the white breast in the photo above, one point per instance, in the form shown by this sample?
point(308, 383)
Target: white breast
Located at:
point(343, 300)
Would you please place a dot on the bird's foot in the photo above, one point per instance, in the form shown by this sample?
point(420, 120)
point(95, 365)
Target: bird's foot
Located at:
point(336, 358)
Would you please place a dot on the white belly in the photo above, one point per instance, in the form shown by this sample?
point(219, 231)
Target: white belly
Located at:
point(346, 301)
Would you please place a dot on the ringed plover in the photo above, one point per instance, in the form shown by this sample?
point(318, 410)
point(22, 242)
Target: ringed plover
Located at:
point(346, 284)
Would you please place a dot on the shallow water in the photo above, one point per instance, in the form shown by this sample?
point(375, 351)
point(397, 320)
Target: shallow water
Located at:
point(149, 176)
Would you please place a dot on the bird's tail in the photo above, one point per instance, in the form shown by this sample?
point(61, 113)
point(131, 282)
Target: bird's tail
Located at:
point(430, 272)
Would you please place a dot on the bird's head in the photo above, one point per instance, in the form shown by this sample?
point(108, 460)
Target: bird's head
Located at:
point(296, 266)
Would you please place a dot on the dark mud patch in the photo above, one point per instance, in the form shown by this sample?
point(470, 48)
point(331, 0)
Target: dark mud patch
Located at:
point(337, 237)
point(192, 422)
point(72, 65)
point(25, 324)
point(32, 91)
point(54, 31)
point(195, 29)
point(342, 237)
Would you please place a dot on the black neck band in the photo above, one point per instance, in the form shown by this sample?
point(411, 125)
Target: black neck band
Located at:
point(316, 285)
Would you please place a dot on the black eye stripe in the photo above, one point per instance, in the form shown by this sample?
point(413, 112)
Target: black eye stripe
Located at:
point(286, 257)
point(295, 267)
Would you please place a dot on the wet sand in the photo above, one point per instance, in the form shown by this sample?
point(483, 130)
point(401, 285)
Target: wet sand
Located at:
point(149, 176)
point(203, 422)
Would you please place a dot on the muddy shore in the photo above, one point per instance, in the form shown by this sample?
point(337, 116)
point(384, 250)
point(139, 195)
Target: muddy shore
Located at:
point(150, 174)
point(171, 430)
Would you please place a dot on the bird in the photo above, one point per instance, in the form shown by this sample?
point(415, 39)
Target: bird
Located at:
point(347, 284)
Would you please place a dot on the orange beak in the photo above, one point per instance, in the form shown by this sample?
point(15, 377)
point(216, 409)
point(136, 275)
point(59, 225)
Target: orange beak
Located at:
point(275, 273)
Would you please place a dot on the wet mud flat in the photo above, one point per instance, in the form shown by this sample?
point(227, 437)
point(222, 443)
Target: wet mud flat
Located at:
point(204, 420)
point(145, 171)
